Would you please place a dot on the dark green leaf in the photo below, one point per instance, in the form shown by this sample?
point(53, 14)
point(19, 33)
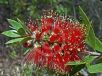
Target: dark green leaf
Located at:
point(11, 33)
point(78, 65)
point(26, 29)
point(26, 39)
point(95, 68)
point(21, 31)
point(15, 25)
point(98, 60)
point(76, 68)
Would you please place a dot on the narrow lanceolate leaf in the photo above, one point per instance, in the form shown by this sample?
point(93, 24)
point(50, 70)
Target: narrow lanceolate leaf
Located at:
point(14, 24)
point(78, 65)
point(11, 33)
point(91, 39)
point(21, 31)
point(85, 19)
point(75, 63)
point(89, 59)
point(17, 40)
point(98, 45)
point(26, 29)
point(76, 68)
point(95, 68)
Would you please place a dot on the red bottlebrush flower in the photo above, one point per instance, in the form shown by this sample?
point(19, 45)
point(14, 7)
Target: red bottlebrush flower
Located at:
point(63, 42)
point(32, 26)
point(53, 38)
point(56, 30)
point(46, 24)
point(57, 48)
point(38, 35)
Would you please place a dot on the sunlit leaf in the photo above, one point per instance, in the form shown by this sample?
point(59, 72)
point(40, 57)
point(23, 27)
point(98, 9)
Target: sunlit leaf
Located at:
point(11, 33)
point(91, 39)
point(15, 25)
point(95, 68)
point(17, 40)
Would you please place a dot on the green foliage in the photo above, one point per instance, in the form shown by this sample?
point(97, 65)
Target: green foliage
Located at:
point(95, 68)
point(76, 68)
point(75, 63)
point(18, 32)
point(14, 24)
point(17, 40)
point(89, 59)
point(91, 39)
point(11, 33)
point(3, 1)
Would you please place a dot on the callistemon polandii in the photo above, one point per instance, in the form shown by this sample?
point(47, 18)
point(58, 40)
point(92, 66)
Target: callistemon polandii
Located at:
point(57, 40)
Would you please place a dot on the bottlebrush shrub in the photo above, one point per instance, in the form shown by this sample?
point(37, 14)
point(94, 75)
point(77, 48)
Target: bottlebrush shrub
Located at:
point(56, 42)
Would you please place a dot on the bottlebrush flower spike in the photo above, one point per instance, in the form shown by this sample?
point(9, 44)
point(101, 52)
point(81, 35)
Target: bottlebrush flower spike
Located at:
point(57, 41)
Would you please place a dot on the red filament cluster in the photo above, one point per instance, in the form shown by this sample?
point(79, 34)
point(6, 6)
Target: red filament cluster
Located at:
point(57, 40)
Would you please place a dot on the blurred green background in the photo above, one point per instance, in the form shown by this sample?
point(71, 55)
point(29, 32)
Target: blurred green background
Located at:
point(11, 58)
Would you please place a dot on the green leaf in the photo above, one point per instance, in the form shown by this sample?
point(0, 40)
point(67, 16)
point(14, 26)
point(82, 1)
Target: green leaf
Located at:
point(78, 65)
point(15, 25)
point(89, 58)
point(75, 63)
point(90, 32)
point(26, 29)
point(98, 45)
point(11, 33)
point(91, 39)
point(76, 68)
point(21, 31)
point(17, 40)
point(86, 20)
point(95, 68)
